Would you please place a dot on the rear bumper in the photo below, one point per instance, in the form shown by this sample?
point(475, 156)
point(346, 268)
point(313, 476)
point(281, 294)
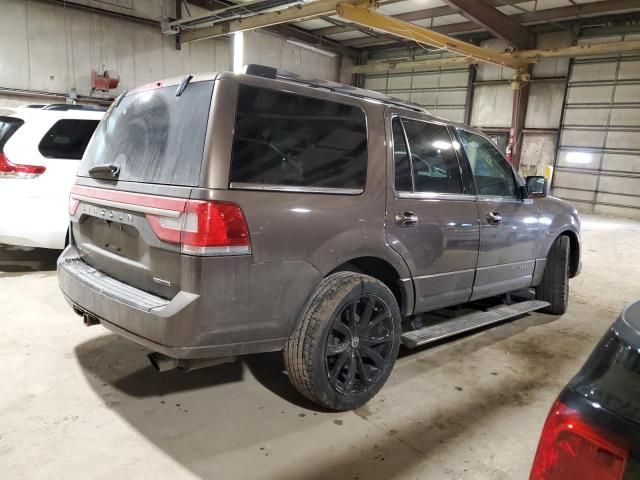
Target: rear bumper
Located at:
point(178, 328)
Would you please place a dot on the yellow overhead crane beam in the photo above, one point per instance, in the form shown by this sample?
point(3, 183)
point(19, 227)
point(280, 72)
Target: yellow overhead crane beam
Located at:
point(357, 11)
point(362, 15)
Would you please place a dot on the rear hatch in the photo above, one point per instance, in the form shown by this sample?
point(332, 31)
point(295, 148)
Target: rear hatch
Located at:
point(129, 206)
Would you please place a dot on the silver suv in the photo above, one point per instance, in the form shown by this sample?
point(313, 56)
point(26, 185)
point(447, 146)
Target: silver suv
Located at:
point(220, 215)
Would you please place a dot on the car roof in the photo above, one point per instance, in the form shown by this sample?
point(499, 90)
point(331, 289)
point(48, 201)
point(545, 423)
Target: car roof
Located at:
point(627, 326)
point(29, 111)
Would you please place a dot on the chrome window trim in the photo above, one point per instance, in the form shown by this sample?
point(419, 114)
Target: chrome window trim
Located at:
point(292, 188)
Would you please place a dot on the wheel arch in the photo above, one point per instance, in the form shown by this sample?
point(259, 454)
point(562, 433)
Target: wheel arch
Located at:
point(384, 271)
point(574, 251)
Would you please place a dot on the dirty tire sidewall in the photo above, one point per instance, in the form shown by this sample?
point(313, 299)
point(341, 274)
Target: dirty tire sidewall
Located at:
point(554, 287)
point(305, 351)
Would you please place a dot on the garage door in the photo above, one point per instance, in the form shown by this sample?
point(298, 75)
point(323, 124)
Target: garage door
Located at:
point(443, 92)
point(598, 164)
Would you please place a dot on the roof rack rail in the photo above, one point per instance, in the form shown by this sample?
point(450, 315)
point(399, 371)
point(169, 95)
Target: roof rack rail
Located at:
point(62, 107)
point(270, 72)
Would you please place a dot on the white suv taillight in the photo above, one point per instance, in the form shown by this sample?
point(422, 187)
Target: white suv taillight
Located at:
point(199, 227)
point(9, 169)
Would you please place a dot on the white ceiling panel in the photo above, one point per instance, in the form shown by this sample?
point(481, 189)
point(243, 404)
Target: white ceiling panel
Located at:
point(313, 24)
point(347, 35)
point(449, 19)
point(408, 6)
point(547, 4)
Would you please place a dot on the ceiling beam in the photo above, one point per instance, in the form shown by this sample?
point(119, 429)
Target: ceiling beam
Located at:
point(531, 18)
point(363, 16)
point(284, 30)
point(499, 24)
point(285, 15)
point(295, 33)
point(423, 14)
point(530, 56)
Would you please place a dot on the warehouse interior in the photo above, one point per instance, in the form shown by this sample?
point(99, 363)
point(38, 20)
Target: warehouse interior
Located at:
point(555, 84)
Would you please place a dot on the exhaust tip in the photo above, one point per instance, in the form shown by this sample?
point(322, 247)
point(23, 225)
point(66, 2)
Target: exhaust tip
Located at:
point(89, 320)
point(161, 362)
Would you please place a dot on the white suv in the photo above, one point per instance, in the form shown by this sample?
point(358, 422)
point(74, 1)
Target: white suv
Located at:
point(40, 149)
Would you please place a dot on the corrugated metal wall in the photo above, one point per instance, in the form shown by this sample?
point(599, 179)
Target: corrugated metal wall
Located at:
point(46, 47)
point(444, 92)
point(598, 164)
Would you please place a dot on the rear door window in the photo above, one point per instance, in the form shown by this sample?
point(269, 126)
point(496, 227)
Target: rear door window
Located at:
point(8, 126)
point(434, 166)
point(287, 140)
point(154, 136)
point(67, 138)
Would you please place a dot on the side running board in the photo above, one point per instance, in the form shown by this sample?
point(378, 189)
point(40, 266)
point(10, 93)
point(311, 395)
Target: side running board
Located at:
point(468, 322)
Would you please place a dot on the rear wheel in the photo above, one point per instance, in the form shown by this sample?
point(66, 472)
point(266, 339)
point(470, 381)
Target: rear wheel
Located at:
point(344, 348)
point(554, 287)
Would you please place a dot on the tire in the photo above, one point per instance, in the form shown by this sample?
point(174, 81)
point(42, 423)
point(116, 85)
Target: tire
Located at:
point(335, 358)
point(554, 287)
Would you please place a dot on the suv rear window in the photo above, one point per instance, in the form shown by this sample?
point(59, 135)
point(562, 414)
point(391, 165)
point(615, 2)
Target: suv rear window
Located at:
point(290, 140)
point(67, 138)
point(154, 136)
point(8, 126)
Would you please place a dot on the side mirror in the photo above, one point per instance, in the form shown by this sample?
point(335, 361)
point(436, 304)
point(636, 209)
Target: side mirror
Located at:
point(537, 187)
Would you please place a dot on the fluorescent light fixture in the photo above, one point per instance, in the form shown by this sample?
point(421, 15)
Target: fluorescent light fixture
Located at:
point(238, 52)
point(579, 157)
point(312, 48)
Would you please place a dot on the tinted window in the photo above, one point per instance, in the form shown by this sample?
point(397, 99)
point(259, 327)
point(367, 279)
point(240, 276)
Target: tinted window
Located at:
point(8, 126)
point(67, 139)
point(154, 136)
point(401, 158)
point(433, 157)
point(292, 140)
point(491, 172)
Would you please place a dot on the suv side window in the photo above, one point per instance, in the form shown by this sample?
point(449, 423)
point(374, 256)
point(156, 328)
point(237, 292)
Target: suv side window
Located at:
point(434, 163)
point(67, 139)
point(283, 139)
point(491, 172)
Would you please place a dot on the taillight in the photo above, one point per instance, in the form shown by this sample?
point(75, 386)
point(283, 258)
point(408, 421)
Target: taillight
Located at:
point(15, 170)
point(205, 228)
point(571, 448)
point(74, 203)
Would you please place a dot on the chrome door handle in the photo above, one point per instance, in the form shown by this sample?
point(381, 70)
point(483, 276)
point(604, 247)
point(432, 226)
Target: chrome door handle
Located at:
point(406, 219)
point(494, 218)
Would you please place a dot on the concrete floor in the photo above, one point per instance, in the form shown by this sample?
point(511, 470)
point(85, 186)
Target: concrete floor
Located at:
point(79, 402)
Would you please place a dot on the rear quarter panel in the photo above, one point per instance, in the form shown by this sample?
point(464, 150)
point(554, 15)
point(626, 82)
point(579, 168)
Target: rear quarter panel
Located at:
point(297, 237)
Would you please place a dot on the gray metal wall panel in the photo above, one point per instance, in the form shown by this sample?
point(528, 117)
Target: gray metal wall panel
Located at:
point(545, 105)
point(444, 92)
point(598, 162)
point(492, 105)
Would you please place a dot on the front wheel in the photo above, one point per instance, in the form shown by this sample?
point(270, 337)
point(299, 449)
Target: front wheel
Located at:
point(342, 352)
point(554, 287)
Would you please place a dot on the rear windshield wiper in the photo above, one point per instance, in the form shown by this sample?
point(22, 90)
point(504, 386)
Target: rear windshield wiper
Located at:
point(105, 168)
point(183, 84)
